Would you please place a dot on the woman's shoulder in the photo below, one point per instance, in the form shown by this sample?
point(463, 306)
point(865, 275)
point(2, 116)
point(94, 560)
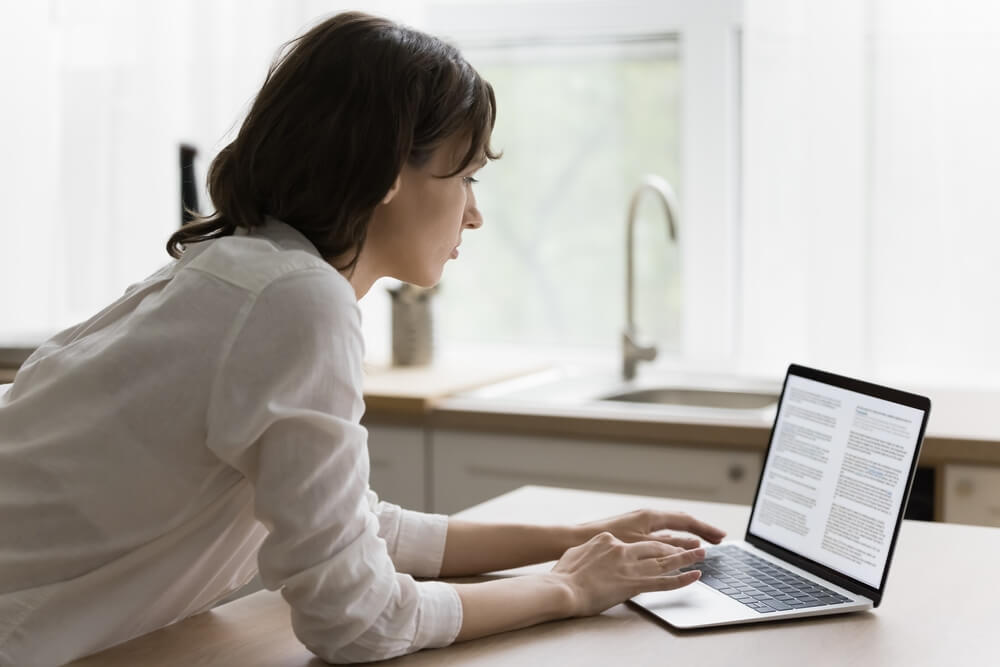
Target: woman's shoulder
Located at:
point(256, 263)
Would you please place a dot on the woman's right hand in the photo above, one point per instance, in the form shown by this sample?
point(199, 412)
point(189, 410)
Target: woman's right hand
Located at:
point(605, 571)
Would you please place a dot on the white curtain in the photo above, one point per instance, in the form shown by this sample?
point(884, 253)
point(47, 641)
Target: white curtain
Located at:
point(98, 95)
point(870, 224)
point(869, 234)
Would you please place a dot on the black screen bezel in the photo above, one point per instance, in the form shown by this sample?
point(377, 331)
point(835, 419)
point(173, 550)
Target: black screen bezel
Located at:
point(877, 391)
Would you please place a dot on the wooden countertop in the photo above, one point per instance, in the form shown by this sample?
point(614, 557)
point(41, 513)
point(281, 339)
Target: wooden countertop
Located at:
point(406, 393)
point(928, 616)
point(964, 424)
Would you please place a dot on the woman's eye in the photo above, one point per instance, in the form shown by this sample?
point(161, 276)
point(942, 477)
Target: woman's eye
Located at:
point(470, 180)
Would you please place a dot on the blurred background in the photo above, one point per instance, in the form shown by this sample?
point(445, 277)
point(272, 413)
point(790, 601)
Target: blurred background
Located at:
point(835, 167)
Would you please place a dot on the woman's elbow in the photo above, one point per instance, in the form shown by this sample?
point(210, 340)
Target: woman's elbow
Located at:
point(330, 646)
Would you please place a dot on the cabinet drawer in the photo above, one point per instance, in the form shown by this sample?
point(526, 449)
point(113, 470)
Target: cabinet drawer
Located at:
point(972, 494)
point(469, 468)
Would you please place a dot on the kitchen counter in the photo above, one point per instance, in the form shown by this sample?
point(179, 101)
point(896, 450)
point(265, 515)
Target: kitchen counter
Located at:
point(909, 628)
point(446, 436)
point(964, 425)
point(408, 394)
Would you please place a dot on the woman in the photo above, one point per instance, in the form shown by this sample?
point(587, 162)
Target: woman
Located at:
point(206, 424)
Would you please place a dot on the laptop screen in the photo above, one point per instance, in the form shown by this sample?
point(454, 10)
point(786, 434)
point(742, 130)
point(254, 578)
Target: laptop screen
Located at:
point(837, 473)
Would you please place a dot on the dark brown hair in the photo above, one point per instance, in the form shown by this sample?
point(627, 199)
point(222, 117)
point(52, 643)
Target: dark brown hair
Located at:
point(343, 108)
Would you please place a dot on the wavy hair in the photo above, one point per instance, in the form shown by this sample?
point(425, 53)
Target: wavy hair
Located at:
point(343, 108)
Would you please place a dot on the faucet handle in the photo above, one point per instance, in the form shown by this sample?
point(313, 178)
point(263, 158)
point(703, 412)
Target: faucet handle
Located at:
point(633, 353)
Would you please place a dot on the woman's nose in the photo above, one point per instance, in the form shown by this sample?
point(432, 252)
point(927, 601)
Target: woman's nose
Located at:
point(472, 219)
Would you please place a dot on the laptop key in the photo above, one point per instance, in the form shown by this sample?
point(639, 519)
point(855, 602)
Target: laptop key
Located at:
point(759, 584)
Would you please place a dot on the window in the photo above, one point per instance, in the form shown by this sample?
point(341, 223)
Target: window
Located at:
point(580, 124)
point(870, 228)
point(112, 88)
point(591, 97)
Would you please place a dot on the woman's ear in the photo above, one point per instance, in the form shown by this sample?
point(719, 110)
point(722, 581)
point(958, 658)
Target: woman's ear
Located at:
point(393, 190)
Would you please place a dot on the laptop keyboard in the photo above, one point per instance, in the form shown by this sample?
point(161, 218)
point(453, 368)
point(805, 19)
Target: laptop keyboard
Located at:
point(760, 584)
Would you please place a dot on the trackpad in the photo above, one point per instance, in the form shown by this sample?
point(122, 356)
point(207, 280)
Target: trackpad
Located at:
point(693, 605)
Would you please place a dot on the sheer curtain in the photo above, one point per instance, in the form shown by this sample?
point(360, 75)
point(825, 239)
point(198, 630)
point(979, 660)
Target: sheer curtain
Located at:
point(869, 233)
point(870, 226)
point(98, 96)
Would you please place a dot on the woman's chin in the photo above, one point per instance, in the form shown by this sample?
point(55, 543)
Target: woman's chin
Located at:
point(422, 279)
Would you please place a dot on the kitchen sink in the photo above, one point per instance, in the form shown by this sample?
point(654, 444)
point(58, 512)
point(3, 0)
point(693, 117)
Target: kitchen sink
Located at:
point(698, 398)
point(686, 392)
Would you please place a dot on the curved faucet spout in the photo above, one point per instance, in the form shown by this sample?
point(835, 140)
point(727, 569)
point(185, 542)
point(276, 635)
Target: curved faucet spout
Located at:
point(632, 352)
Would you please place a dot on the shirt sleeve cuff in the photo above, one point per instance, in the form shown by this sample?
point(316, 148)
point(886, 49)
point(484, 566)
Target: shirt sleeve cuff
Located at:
point(420, 544)
point(440, 615)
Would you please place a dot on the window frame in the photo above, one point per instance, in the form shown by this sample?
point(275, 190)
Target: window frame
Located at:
point(708, 34)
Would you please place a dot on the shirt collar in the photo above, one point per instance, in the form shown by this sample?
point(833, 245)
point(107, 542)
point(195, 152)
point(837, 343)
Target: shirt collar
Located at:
point(283, 234)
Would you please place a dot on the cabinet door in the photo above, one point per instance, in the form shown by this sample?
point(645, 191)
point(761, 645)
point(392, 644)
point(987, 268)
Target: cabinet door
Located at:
point(972, 494)
point(398, 465)
point(469, 468)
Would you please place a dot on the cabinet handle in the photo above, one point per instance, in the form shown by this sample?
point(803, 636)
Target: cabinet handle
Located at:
point(736, 473)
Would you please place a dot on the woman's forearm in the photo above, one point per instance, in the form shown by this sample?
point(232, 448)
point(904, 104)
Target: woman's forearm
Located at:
point(509, 604)
point(595, 569)
point(474, 548)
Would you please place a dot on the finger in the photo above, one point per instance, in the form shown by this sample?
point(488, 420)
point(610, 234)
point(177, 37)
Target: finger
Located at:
point(655, 566)
point(678, 541)
point(689, 557)
point(686, 522)
point(652, 549)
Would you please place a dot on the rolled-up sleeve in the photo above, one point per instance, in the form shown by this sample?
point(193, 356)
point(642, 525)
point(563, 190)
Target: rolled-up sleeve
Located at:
point(415, 540)
point(285, 409)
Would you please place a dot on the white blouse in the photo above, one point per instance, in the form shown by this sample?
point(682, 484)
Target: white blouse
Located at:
point(201, 427)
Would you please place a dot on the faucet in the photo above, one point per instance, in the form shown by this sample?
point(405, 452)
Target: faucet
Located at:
point(632, 351)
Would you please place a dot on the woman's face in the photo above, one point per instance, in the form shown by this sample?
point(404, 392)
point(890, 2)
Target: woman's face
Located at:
point(419, 225)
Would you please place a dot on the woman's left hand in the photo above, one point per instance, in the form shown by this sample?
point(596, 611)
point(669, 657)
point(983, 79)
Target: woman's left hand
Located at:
point(651, 525)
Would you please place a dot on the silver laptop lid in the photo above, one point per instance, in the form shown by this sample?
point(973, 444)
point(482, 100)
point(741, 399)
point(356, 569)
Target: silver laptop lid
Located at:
point(838, 472)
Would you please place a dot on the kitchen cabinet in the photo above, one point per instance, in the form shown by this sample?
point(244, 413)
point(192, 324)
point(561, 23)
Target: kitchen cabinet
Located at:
point(469, 467)
point(441, 453)
point(971, 494)
point(399, 470)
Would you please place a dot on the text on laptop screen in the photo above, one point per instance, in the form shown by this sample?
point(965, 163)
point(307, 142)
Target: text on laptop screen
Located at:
point(835, 477)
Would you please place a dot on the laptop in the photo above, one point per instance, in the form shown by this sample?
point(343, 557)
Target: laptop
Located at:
point(828, 507)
